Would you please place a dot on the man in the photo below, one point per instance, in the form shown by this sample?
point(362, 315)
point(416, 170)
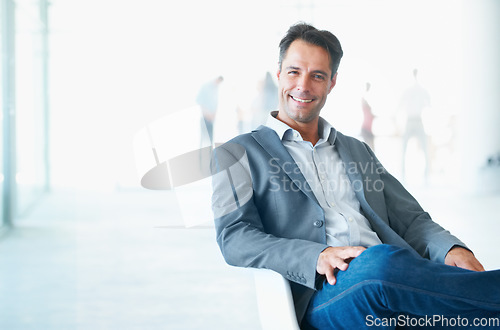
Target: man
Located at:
point(300, 198)
point(368, 117)
point(208, 100)
point(413, 102)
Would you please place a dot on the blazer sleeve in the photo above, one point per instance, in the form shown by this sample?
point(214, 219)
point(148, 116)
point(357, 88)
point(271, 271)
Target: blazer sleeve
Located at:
point(239, 228)
point(411, 222)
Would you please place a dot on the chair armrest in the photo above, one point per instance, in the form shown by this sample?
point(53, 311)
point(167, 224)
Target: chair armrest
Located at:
point(274, 300)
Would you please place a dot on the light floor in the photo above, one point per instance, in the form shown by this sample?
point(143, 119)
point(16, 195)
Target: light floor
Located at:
point(118, 261)
point(86, 260)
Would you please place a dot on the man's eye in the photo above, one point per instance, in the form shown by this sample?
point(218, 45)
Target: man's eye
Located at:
point(319, 77)
point(293, 72)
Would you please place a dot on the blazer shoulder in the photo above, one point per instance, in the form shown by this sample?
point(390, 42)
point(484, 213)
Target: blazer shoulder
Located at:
point(351, 141)
point(250, 138)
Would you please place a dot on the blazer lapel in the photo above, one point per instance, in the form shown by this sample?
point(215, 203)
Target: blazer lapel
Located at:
point(271, 143)
point(383, 230)
point(371, 200)
point(350, 167)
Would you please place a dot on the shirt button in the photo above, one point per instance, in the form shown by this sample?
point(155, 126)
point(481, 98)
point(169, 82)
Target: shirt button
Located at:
point(351, 219)
point(318, 223)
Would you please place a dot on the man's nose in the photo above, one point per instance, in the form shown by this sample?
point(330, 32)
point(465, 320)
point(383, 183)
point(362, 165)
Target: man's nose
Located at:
point(303, 83)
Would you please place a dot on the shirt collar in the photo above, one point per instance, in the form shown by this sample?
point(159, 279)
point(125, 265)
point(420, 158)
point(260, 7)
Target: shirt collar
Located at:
point(326, 131)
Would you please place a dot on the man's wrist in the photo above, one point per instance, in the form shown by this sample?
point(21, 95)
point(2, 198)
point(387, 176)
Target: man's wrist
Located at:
point(459, 246)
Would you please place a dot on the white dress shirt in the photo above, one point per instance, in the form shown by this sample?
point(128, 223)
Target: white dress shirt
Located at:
point(325, 172)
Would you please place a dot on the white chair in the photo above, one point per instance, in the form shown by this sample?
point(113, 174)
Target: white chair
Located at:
point(274, 300)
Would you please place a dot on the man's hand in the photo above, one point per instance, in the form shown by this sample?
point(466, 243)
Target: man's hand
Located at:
point(463, 258)
point(336, 257)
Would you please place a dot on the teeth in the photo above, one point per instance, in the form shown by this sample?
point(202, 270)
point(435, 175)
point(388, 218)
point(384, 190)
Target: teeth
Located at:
point(301, 100)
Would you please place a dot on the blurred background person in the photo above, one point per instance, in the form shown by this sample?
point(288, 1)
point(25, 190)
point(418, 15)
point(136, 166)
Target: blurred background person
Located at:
point(254, 113)
point(366, 126)
point(413, 102)
point(266, 101)
point(208, 100)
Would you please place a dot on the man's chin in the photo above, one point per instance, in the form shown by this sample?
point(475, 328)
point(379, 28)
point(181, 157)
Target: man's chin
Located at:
point(303, 117)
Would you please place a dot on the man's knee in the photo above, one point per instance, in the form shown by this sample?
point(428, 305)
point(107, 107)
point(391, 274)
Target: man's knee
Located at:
point(383, 249)
point(380, 262)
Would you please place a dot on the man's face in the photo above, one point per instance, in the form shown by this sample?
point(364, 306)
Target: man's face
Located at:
point(304, 82)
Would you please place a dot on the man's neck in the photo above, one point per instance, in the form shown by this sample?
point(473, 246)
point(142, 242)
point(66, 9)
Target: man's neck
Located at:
point(308, 131)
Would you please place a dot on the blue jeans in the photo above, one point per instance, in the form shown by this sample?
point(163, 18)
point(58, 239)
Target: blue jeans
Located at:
point(386, 287)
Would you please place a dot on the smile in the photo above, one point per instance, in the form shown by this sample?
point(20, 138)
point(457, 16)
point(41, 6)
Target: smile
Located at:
point(300, 100)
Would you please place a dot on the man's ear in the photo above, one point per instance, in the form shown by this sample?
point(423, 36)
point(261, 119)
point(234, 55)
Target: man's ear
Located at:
point(278, 74)
point(333, 82)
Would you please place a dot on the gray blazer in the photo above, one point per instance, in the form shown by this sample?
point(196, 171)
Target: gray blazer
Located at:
point(266, 215)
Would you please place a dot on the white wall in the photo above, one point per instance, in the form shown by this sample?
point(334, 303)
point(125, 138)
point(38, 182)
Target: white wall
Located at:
point(119, 65)
point(480, 117)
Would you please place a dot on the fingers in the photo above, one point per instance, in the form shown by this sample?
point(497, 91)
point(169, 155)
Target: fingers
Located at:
point(463, 258)
point(477, 268)
point(467, 265)
point(339, 264)
point(471, 265)
point(333, 258)
point(330, 276)
point(347, 252)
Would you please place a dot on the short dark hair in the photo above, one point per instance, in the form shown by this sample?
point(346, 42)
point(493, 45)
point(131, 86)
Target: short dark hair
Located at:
point(308, 33)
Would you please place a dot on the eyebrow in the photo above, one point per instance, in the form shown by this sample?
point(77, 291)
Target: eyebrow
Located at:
point(315, 71)
point(322, 72)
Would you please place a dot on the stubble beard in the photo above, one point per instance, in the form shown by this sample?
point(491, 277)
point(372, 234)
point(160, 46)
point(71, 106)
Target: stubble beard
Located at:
point(302, 116)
